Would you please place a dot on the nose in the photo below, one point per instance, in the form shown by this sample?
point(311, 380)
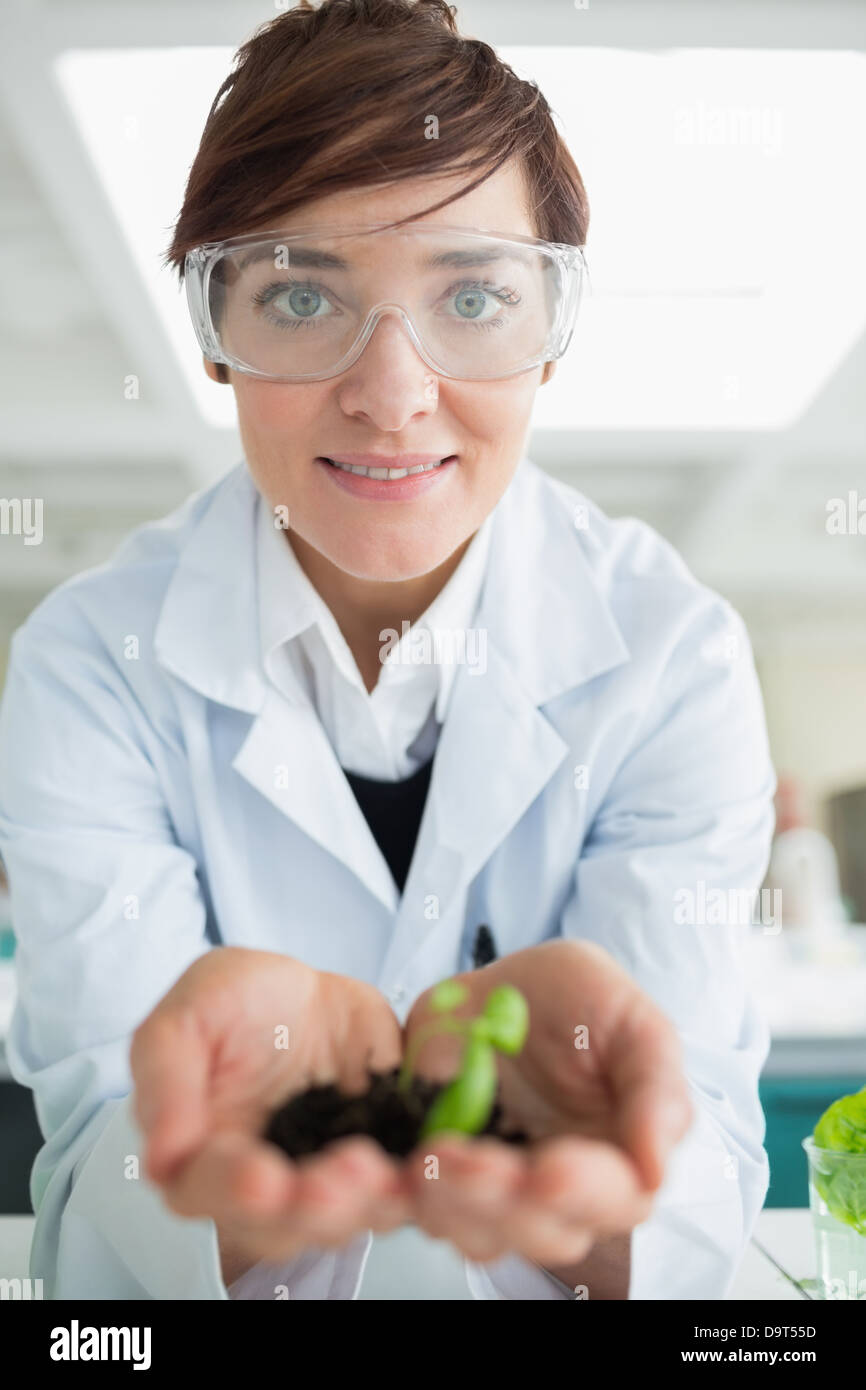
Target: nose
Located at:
point(390, 384)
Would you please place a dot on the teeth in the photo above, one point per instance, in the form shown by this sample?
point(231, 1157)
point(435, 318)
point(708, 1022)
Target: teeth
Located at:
point(385, 472)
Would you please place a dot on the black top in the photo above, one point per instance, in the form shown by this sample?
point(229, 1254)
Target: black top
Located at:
point(393, 811)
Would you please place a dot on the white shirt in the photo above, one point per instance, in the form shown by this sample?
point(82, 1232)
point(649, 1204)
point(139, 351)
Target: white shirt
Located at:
point(385, 733)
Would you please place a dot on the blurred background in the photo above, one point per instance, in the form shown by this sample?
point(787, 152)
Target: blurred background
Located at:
point(716, 386)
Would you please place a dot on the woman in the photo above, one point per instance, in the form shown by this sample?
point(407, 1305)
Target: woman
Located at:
point(226, 736)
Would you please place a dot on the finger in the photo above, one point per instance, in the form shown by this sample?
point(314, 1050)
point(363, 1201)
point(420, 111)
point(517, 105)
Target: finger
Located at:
point(373, 1176)
point(549, 1235)
point(392, 1205)
point(170, 1068)
point(481, 1222)
point(653, 1123)
point(232, 1179)
point(464, 1196)
point(359, 1011)
point(349, 1187)
point(477, 1172)
point(588, 1181)
point(655, 1111)
point(584, 1184)
point(272, 1207)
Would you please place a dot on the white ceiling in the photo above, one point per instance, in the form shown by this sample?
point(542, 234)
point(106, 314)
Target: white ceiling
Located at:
point(747, 509)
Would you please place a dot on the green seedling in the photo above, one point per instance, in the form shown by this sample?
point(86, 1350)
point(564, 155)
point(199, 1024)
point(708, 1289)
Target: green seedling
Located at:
point(466, 1103)
point(841, 1130)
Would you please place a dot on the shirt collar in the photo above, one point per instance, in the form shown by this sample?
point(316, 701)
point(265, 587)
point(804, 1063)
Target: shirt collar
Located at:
point(289, 605)
point(450, 614)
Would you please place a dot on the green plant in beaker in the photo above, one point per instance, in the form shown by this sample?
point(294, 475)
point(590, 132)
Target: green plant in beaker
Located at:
point(836, 1151)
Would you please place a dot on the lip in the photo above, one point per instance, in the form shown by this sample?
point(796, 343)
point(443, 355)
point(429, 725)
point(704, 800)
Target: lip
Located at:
point(388, 489)
point(388, 460)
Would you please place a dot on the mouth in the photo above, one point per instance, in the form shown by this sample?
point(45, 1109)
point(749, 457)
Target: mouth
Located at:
point(404, 465)
point(379, 478)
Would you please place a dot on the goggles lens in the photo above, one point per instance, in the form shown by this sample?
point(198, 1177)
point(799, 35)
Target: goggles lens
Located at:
point(304, 306)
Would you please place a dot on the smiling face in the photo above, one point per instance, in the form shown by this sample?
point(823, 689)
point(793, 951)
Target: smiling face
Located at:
point(389, 403)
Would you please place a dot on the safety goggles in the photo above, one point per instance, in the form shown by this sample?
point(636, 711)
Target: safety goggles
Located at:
point(301, 306)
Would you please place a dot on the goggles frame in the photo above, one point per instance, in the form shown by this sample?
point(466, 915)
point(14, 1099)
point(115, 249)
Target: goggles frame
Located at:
point(200, 260)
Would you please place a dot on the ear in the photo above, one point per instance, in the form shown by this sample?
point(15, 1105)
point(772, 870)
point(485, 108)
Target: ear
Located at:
point(549, 369)
point(217, 371)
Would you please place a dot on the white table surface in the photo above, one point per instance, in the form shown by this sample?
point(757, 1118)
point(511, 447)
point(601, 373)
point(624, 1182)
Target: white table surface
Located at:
point(408, 1265)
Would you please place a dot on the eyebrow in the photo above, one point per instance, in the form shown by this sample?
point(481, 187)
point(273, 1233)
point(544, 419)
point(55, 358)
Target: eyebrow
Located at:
point(313, 259)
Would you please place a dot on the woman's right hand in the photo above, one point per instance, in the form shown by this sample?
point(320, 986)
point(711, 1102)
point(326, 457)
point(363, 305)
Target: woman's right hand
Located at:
point(208, 1070)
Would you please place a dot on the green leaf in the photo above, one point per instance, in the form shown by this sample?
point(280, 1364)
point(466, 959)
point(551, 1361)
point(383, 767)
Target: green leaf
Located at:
point(465, 1105)
point(839, 1180)
point(843, 1188)
point(506, 1018)
point(448, 995)
point(842, 1127)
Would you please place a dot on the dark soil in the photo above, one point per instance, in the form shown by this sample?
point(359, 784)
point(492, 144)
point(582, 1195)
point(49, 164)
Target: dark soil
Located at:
point(309, 1121)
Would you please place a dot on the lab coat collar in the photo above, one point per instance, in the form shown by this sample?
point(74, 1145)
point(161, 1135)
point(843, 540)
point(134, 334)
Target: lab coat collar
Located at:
point(545, 616)
point(540, 606)
point(207, 630)
point(287, 602)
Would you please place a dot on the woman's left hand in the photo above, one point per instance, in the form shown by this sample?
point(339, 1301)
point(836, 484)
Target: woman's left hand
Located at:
point(598, 1087)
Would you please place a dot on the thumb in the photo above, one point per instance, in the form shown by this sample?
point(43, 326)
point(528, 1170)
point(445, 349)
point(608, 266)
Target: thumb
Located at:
point(654, 1120)
point(170, 1066)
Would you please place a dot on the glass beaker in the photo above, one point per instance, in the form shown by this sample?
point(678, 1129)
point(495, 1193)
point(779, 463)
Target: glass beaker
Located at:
point(837, 1199)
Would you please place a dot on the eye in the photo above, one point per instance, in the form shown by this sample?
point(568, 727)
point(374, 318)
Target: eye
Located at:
point(294, 302)
point(472, 304)
point(479, 301)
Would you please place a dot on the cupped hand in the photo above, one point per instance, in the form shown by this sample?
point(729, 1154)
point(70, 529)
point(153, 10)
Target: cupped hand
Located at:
point(208, 1069)
point(598, 1088)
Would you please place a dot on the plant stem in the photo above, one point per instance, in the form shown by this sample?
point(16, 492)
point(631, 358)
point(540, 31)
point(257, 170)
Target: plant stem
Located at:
point(436, 1025)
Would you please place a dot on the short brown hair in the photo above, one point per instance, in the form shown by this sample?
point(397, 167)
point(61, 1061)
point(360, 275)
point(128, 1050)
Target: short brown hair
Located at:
point(339, 95)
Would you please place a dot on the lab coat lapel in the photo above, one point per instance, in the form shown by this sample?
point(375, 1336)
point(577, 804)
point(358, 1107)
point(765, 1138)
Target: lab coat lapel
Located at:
point(287, 756)
point(548, 630)
point(207, 634)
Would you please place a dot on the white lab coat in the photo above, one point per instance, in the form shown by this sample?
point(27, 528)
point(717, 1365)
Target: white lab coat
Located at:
point(158, 796)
